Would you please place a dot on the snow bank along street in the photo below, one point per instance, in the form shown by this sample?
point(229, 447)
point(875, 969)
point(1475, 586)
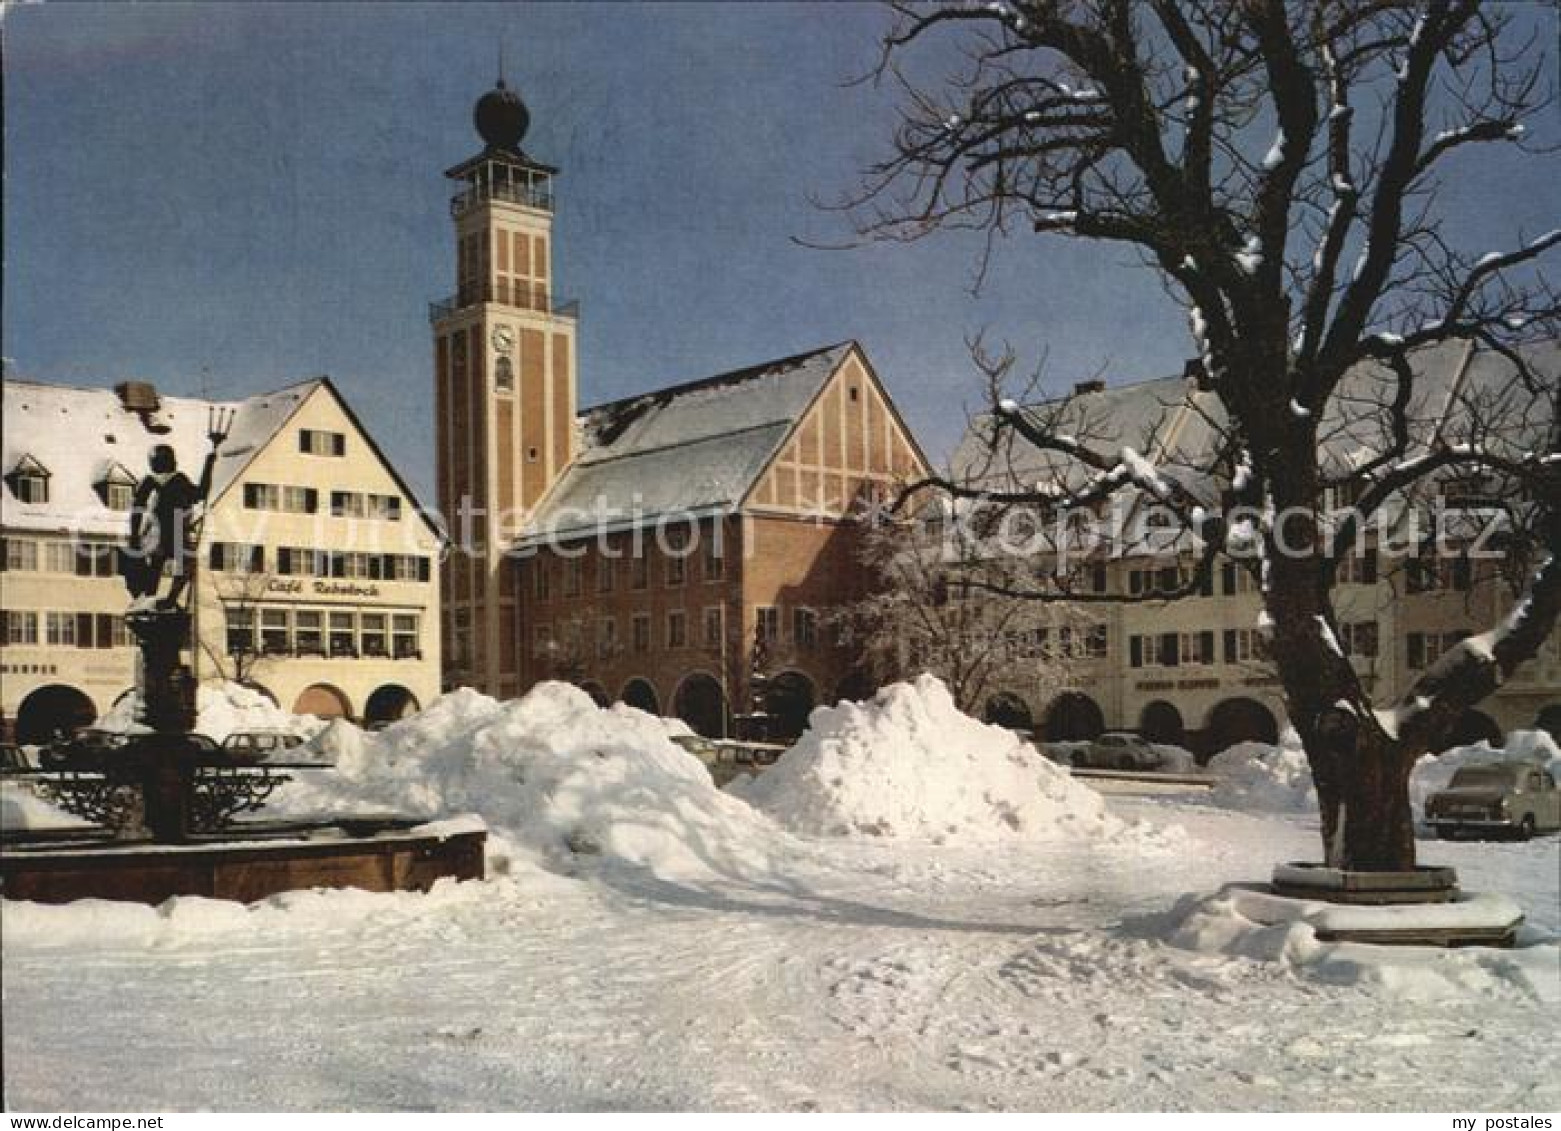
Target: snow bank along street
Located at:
point(968, 927)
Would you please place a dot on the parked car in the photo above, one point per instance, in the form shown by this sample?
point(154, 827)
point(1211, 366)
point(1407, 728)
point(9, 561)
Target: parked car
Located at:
point(727, 758)
point(81, 750)
point(1117, 750)
point(95, 751)
point(1513, 797)
point(258, 745)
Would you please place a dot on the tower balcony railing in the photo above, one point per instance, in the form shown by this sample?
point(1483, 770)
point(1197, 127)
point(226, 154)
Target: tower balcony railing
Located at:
point(519, 296)
point(537, 194)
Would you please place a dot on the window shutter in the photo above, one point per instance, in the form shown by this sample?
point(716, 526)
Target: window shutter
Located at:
point(1230, 645)
point(311, 500)
point(214, 558)
point(1135, 648)
point(424, 570)
point(284, 561)
point(338, 443)
point(1170, 654)
point(1206, 647)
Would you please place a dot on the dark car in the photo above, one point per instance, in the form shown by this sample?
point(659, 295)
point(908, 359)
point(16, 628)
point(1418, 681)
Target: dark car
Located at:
point(83, 750)
point(1514, 798)
point(102, 751)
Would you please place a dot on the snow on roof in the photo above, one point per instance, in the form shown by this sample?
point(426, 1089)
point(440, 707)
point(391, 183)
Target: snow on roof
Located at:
point(1458, 388)
point(79, 434)
point(691, 449)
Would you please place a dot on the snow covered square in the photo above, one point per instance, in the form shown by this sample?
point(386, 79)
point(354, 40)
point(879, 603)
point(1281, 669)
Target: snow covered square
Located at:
point(992, 936)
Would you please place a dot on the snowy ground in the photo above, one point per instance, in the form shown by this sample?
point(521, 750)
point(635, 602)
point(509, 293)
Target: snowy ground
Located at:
point(875, 974)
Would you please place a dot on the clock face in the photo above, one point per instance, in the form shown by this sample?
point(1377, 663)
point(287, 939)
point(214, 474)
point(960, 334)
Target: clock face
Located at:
point(503, 339)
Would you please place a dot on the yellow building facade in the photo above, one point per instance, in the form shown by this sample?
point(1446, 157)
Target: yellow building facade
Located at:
point(316, 572)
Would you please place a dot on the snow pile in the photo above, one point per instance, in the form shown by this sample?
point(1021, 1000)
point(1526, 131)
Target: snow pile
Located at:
point(908, 763)
point(1247, 922)
point(1435, 771)
point(221, 709)
point(557, 777)
point(1257, 775)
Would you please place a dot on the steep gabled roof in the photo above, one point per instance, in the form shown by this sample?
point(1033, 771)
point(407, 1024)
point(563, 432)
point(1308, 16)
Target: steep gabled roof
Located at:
point(1166, 420)
point(78, 432)
point(80, 435)
point(688, 450)
point(1176, 426)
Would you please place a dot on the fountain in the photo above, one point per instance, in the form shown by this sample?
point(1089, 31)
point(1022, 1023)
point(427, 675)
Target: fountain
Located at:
point(162, 806)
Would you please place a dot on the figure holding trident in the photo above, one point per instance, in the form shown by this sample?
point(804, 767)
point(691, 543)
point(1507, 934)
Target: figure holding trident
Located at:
point(163, 521)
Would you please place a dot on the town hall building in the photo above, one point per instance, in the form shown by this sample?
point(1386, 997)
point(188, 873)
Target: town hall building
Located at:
point(679, 550)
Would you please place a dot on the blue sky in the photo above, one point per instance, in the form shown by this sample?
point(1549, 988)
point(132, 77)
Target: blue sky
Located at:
point(227, 198)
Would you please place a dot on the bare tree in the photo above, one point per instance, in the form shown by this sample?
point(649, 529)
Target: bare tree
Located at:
point(945, 603)
point(240, 595)
point(1276, 166)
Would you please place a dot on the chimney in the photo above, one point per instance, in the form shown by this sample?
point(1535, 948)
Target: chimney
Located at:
point(1194, 371)
point(1095, 386)
point(137, 396)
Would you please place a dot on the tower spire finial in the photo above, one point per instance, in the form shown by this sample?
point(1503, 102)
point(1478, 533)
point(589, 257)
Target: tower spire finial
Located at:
point(501, 61)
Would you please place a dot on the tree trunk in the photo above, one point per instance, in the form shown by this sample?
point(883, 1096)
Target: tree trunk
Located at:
point(1378, 822)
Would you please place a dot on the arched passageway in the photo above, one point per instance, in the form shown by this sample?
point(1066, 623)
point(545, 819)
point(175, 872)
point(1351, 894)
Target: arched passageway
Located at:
point(54, 710)
point(640, 694)
point(1162, 722)
point(387, 703)
point(700, 704)
point(1073, 717)
point(323, 701)
point(1005, 709)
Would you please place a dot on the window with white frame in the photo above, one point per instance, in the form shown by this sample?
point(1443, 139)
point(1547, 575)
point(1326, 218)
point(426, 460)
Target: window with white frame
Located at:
point(319, 442)
point(21, 554)
point(405, 632)
point(767, 624)
point(343, 638)
point(21, 627)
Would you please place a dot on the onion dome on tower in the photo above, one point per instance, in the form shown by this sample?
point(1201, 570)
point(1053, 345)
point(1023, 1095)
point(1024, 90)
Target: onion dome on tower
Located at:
point(501, 118)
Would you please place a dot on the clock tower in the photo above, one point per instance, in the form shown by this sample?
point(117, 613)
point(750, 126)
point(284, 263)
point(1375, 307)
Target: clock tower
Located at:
point(504, 388)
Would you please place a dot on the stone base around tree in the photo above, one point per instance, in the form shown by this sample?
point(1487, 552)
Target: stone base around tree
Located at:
point(1420, 908)
point(1426, 884)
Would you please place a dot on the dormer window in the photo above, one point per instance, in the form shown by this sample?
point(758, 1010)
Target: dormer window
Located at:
point(29, 481)
point(117, 488)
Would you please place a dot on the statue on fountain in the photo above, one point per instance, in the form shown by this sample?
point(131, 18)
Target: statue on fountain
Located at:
point(163, 523)
point(164, 527)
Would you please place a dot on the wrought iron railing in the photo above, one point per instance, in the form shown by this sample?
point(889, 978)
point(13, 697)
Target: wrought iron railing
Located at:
point(539, 196)
point(518, 297)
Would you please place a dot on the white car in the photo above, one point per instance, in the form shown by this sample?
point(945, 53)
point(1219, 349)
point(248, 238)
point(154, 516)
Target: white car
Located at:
point(1118, 750)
